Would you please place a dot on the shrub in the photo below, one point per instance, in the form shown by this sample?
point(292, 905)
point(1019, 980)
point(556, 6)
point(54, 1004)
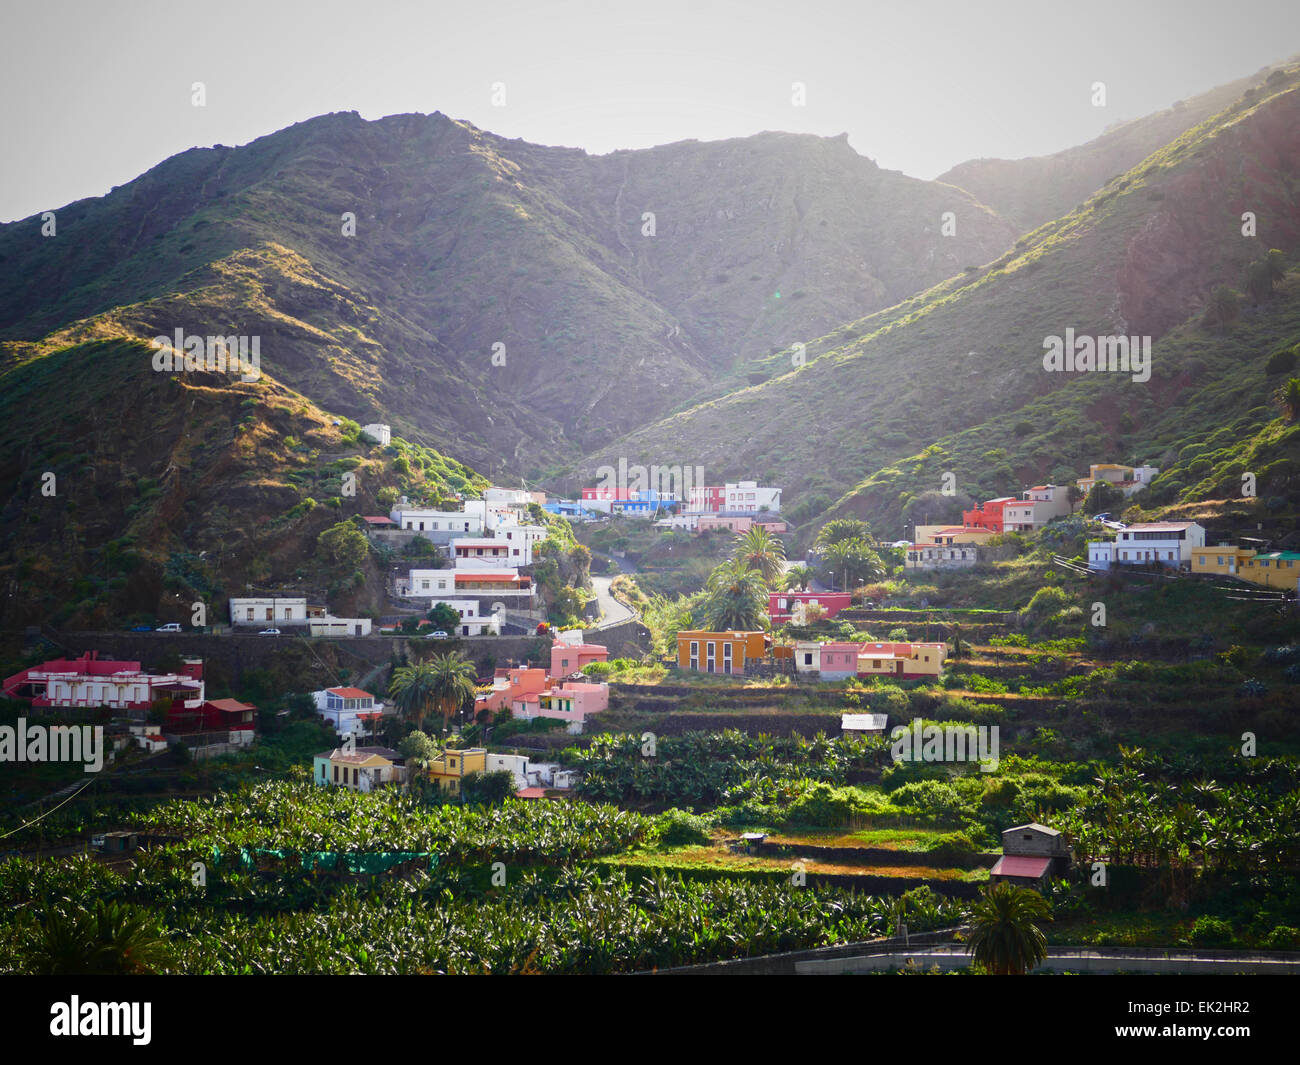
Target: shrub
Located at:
point(1283, 937)
point(680, 828)
point(1211, 931)
point(951, 848)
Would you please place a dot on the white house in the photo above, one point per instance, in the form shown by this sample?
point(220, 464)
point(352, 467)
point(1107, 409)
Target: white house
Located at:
point(491, 551)
point(514, 764)
point(1169, 543)
point(940, 556)
point(380, 433)
point(1038, 506)
point(475, 620)
point(272, 610)
point(332, 626)
point(437, 525)
point(748, 497)
point(349, 710)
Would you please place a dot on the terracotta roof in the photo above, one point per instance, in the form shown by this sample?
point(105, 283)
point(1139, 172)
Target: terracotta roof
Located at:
point(350, 693)
point(1019, 865)
point(230, 706)
point(530, 793)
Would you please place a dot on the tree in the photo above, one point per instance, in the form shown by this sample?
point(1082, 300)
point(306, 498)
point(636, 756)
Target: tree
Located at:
point(1288, 398)
point(109, 940)
point(1103, 498)
point(853, 562)
point(453, 684)
point(735, 598)
point(487, 789)
point(1004, 939)
point(800, 575)
point(1259, 281)
point(344, 545)
point(763, 552)
point(444, 616)
point(1223, 308)
point(1074, 496)
point(418, 747)
point(411, 689)
point(839, 529)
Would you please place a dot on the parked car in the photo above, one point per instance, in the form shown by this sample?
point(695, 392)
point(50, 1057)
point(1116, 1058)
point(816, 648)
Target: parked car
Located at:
point(437, 634)
point(171, 626)
point(269, 632)
point(140, 628)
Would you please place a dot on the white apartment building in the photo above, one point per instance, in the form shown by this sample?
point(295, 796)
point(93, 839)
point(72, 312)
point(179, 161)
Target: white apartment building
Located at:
point(273, 611)
point(437, 525)
point(1169, 543)
point(748, 497)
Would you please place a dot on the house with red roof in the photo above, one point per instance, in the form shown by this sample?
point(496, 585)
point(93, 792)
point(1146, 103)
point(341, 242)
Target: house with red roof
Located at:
point(352, 711)
point(1032, 854)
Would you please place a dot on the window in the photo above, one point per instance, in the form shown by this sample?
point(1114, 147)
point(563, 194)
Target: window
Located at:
point(807, 658)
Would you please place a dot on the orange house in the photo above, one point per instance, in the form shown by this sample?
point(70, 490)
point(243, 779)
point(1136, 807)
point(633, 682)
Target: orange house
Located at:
point(719, 652)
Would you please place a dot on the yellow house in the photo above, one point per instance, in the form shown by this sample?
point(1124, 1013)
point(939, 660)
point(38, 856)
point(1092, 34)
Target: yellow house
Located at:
point(905, 661)
point(1277, 569)
point(1224, 560)
point(450, 767)
point(719, 652)
point(946, 535)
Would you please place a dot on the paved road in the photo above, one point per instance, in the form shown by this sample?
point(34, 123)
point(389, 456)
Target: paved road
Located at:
point(614, 612)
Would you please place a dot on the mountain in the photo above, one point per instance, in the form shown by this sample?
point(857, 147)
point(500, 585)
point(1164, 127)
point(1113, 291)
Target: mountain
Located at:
point(134, 493)
point(1032, 191)
point(1139, 259)
point(502, 301)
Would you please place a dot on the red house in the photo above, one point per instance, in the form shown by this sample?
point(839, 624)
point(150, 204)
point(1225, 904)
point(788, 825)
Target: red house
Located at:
point(987, 515)
point(782, 606)
point(215, 715)
point(707, 498)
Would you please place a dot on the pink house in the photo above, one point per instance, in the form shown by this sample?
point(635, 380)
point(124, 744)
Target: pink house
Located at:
point(569, 658)
point(509, 685)
point(784, 606)
point(571, 702)
point(839, 660)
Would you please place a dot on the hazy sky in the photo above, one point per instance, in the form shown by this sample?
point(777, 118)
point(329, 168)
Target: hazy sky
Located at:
point(97, 92)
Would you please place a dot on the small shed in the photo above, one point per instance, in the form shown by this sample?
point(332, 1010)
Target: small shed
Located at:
point(1032, 854)
point(753, 841)
point(863, 724)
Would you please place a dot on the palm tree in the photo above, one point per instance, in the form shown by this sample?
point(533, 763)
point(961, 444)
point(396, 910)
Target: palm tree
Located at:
point(1004, 939)
point(762, 551)
point(735, 598)
point(453, 683)
point(110, 940)
point(412, 690)
point(839, 529)
point(800, 575)
point(854, 560)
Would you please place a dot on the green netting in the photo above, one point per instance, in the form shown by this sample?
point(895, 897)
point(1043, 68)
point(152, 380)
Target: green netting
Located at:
point(352, 861)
